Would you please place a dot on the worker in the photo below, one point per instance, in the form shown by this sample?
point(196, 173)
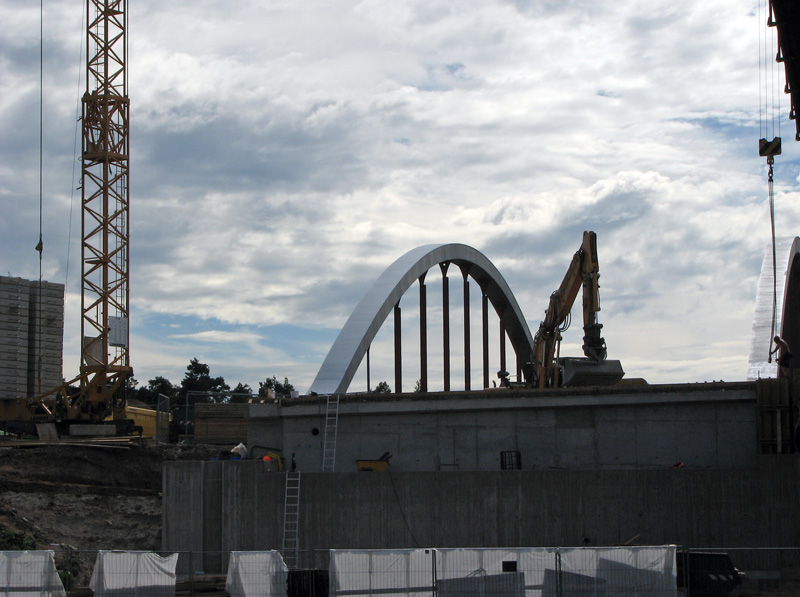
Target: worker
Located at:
point(294, 464)
point(784, 356)
point(503, 377)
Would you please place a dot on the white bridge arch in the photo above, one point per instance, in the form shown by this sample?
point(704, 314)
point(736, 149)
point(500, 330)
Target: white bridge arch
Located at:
point(347, 352)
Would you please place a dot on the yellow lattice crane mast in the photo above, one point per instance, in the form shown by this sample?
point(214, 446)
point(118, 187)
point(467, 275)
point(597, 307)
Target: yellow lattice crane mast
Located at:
point(105, 365)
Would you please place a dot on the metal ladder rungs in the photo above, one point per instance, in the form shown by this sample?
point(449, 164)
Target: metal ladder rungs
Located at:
point(331, 428)
point(291, 519)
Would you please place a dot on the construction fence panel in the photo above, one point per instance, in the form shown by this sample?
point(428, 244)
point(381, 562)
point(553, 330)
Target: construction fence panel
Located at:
point(256, 574)
point(490, 572)
point(494, 571)
point(29, 574)
point(556, 572)
point(622, 571)
point(390, 572)
point(522, 572)
point(133, 574)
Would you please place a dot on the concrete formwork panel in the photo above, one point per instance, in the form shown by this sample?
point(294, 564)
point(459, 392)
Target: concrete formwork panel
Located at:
point(183, 515)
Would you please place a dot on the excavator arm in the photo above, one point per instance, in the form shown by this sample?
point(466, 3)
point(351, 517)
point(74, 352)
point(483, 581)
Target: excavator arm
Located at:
point(583, 273)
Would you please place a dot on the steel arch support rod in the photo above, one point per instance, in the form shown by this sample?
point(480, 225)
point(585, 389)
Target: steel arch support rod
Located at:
point(485, 337)
point(423, 335)
point(502, 346)
point(398, 351)
point(467, 364)
point(446, 324)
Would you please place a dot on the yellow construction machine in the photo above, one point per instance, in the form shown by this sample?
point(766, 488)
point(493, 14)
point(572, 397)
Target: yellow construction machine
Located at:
point(549, 369)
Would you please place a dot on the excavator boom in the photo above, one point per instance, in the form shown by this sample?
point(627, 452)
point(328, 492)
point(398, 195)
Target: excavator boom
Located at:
point(582, 274)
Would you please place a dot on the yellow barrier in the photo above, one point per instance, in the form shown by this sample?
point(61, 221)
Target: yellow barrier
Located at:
point(144, 418)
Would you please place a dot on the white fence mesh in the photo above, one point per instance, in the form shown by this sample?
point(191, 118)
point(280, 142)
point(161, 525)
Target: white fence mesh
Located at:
point(528, 572)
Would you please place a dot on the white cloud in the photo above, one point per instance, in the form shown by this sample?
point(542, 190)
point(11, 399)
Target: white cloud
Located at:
point(285, 153)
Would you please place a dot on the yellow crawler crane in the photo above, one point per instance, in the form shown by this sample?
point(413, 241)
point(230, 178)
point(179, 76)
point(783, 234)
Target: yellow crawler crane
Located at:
point(99, 390)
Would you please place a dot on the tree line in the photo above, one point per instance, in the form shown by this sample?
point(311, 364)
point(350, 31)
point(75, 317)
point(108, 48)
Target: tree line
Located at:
point(198, 386)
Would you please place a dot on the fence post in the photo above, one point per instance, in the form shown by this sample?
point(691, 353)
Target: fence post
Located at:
point(433, 572)
point(558, 573)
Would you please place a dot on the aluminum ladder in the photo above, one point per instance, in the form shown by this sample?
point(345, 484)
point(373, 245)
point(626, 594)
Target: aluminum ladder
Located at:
point(291, 519)
point(331, 425)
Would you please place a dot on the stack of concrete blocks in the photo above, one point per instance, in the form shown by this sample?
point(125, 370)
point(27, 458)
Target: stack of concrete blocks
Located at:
point(31, 328)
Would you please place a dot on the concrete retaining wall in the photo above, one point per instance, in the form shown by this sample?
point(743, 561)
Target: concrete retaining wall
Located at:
point(230, 505)
point(640, 427)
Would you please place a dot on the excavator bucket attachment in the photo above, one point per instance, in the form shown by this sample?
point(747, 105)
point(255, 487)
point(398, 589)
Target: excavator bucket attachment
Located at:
point(587, 372)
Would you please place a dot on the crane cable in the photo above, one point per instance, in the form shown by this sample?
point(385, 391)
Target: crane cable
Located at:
point(769, 149)
point(770, 161)
point(40, 244)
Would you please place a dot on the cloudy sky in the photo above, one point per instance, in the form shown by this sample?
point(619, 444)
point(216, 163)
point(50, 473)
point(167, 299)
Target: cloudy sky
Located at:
point(285, 152)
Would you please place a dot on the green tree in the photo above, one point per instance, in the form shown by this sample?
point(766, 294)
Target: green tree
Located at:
point(241, 393)
point(280, 390)
point(198, 379)
point(383, 388)
point(156, 387)
point(131, 391)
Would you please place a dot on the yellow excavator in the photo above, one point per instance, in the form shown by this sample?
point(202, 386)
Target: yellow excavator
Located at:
point(549, 369)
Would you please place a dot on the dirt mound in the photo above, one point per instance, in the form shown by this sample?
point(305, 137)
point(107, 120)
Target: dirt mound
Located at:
point(87, 497)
